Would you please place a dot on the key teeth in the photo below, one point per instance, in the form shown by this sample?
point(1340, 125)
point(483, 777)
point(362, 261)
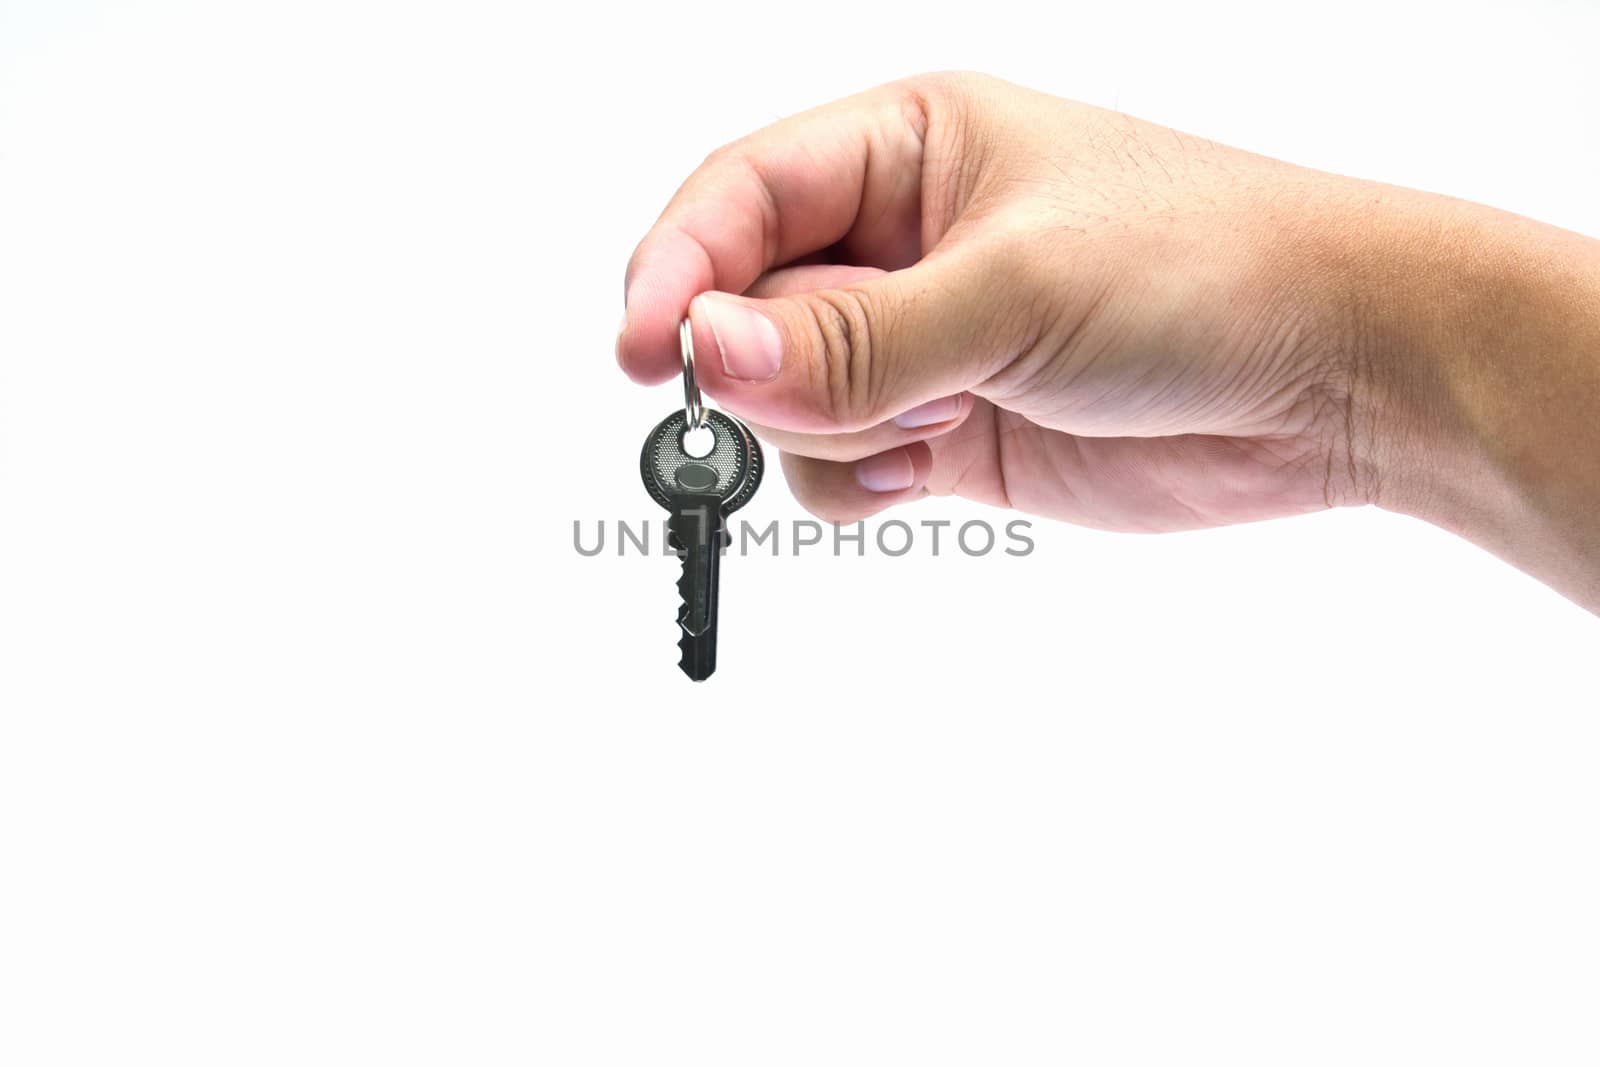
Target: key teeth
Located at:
point(723, 540)
point(693, 660)
point(683, 590)
point(696, 652)
point(675, 543)
point(696, 656)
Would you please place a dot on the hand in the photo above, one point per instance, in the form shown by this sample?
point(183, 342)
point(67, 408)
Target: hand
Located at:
point(1085, 317)
point(955, 285)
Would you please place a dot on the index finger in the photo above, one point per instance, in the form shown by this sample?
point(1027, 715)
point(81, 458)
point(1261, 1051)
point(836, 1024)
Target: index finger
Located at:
point(847, 173)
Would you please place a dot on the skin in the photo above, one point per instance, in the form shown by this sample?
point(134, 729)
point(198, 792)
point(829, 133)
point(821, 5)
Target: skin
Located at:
point(1123, 326)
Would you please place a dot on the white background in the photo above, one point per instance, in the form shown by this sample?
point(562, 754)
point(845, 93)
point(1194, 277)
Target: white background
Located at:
point(320, 743)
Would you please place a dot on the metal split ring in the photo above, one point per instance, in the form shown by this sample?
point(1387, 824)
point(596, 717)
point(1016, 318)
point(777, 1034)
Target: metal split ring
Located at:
point(693, 410)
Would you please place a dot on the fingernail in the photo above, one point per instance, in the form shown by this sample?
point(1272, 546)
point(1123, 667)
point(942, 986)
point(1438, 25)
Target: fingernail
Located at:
point(622, 323)
point(748, 341)
point(942, 410)
point(887, 472)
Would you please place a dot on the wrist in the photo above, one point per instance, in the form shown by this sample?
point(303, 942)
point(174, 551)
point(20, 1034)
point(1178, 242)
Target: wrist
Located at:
point(1474, 349)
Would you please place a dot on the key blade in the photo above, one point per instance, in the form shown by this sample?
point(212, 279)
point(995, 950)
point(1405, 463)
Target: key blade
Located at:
point(697, 532)
point(697, 589)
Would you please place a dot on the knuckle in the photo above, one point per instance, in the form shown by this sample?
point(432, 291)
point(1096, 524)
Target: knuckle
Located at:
point(810, 492)
point(953, 86)
point(806, 495)
point(956, 116)
point(720, 156)
point(830, 510)
point(845, 332)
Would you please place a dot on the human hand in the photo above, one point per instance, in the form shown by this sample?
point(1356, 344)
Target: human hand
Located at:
point(955, 285)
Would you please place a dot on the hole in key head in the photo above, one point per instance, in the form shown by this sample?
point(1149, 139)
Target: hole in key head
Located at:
point(699, 443)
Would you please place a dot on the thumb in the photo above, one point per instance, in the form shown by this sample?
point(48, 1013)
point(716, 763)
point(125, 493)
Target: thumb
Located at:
point(843, 359)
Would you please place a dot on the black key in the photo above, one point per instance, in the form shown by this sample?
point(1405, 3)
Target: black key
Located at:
point(700, 492)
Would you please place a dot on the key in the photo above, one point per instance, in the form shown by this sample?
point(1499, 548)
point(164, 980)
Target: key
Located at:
point(699, 493)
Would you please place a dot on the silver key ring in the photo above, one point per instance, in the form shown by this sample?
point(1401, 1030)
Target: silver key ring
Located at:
point(694, 411)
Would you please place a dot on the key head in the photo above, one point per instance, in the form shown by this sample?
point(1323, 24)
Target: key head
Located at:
point(731, 470)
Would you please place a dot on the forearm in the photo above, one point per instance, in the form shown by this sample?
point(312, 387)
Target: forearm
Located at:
point(1482, 352)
